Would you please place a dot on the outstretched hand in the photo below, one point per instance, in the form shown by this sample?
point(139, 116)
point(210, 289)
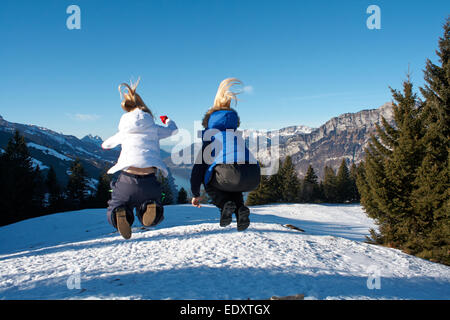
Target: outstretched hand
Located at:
point(196, 201)
point(163, 119)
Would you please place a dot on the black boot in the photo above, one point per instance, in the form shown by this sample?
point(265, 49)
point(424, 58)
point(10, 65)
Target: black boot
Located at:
point(226, 214)
point(243, 220)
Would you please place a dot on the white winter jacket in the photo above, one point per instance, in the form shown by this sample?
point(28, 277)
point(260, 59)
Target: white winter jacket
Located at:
point(139, 136)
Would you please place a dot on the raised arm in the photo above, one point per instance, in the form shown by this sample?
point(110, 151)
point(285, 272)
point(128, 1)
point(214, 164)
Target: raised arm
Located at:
point(113, 141)
point(165, 132)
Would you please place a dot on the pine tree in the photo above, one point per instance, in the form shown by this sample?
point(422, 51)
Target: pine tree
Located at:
point(166, 190)
point(275, 186)
point(432, 182)
point(173, 187)
point(182, 196)
point(321, 194)
point(261, 195)
point(18, 188)
point(390, 166)
point(371, 181)
point(355, 197)
point(77, 185)
point(368, 201)
point(55, 198)
point(330, 190)
point(405, 159)
point(290, 184)
point(103, 193)
point(310, 186)
point(343, 183)
point(38, 192)
point(271, 188)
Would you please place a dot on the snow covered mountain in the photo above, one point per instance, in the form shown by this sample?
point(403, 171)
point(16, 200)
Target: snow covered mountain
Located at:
point(77, 255)
point(294, 130)
point(50, 148)
point(93, 139)
point(342, 137)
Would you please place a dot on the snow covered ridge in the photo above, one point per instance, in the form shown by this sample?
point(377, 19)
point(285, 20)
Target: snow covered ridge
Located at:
point(89, 146)
point(77, 255)
point(284, 132)
point(51, 149)
point(342, 137)
point(97, 140)
point(35, 163)
point(48, 151)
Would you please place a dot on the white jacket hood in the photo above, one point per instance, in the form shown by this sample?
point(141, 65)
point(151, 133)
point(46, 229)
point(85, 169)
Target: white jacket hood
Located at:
point(139, 136)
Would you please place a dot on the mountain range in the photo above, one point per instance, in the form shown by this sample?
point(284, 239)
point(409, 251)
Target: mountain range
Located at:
point(49, 148)
point(342, 137)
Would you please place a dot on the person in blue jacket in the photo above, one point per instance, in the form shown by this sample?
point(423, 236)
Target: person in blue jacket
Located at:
point(225, 166)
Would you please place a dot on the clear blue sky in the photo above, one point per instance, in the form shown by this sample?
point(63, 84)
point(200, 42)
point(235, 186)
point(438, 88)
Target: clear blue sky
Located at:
point(306, 61)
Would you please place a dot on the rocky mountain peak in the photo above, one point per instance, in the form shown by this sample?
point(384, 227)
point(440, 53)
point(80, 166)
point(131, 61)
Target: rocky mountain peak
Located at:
point(342, 137)
point(97, 140)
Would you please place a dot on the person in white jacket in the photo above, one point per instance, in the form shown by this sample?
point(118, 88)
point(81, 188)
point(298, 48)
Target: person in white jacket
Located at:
point(137, 187)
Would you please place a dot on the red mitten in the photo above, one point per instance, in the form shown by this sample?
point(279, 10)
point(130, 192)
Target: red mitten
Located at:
point(164, 119)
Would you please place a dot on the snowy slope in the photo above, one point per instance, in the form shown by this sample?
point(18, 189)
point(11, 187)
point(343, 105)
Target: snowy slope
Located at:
point(48, 151)
point(190, 257)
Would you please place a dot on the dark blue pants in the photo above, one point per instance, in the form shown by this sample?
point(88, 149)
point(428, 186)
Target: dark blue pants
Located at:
point(133, 192)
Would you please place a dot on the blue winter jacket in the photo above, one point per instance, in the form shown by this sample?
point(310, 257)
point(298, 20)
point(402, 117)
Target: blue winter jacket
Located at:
point(226, 145)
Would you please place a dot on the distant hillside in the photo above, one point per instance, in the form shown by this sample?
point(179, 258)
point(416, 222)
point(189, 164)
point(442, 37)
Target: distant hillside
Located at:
point(50, 148)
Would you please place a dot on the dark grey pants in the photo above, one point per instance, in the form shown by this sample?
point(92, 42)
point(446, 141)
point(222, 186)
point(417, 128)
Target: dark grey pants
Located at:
point(133, 192)
point(230, 180)
point(219, 197)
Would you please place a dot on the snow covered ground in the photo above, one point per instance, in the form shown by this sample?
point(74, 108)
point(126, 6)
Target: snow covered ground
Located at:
point(77, 255)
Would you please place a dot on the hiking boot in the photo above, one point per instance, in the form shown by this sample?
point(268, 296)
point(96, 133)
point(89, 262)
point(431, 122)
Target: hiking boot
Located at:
point(226, 214)
point(159, 215)
point(148, 217)
point(122, 223)
point(243, 220)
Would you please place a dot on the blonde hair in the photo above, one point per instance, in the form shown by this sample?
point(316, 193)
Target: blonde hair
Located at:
point(224, 97)
point(131, 100)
